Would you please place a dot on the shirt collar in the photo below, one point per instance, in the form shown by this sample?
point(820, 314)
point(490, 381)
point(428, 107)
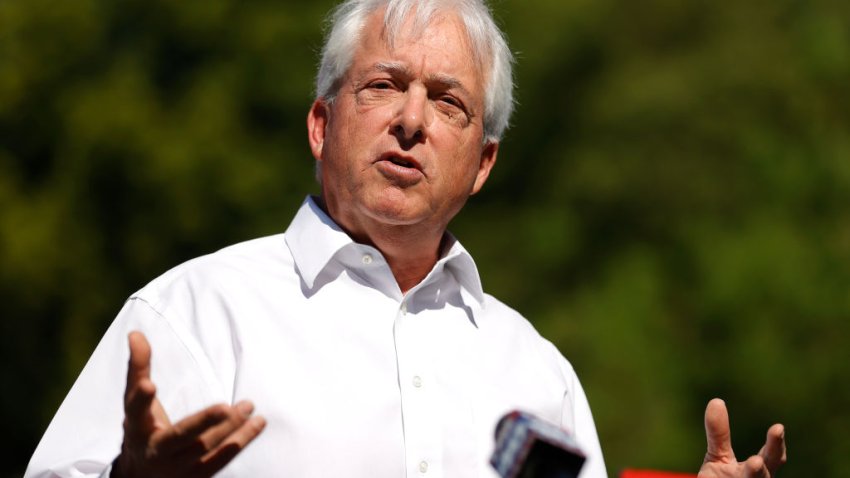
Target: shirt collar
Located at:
point(460, 263)
point(314, 238)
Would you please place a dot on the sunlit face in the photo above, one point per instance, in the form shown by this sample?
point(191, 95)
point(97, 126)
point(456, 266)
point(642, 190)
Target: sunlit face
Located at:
point(402, 143)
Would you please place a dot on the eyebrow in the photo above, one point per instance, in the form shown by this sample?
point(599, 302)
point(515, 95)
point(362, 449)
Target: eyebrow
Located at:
point(398, 68)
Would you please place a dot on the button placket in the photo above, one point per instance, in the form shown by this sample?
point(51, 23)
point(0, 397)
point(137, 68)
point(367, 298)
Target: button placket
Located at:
point(422, 425)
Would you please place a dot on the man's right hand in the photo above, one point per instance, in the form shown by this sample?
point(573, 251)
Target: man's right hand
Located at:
point(197, 446)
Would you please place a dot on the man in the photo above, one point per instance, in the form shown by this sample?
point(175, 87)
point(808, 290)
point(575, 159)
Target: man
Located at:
point(362, 334)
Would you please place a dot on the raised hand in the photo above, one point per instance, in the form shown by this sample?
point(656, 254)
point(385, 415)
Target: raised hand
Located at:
point(197, 446)
point(720, 461)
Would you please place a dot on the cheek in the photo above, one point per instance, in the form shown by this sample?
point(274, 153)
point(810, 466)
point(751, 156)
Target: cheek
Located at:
point(461, 175)
point(466, 158)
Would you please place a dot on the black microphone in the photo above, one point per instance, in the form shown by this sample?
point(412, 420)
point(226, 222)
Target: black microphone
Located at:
point(528, 447)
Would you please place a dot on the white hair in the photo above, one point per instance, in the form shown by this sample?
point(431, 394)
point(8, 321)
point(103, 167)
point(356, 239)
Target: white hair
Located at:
point(489, 48)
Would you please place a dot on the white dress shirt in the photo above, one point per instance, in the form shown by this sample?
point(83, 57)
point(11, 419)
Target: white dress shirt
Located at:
point(354, 378)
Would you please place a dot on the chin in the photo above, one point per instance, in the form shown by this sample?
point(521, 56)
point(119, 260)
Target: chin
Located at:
point(392, 211)
point(395, 216)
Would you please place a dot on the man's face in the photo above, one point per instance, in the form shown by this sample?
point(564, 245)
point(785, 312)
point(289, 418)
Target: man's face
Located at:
point(402, 143)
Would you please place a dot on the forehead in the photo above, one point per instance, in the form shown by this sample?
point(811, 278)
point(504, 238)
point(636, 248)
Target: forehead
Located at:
point(441, 47)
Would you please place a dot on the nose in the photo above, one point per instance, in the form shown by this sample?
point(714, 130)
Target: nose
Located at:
point(411, 120)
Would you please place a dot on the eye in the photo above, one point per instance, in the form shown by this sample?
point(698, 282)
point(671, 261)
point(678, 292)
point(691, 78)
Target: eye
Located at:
point(381, 85)
point(451, 105)
point(451, 101)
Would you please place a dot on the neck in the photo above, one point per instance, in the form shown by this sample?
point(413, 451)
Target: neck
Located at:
point(410, 250)
point(411, 255)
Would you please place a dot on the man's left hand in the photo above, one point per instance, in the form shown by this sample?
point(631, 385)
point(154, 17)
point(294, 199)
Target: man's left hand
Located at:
point(720, 461)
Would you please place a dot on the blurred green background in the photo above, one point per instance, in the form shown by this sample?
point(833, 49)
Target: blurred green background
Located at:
point(676, 180)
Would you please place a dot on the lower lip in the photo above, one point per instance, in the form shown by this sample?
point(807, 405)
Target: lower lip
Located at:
point(400, 175)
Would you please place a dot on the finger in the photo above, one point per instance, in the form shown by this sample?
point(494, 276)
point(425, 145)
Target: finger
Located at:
point(187, 432)
point(754, 468)
point(139, 367)
point(140, 390)
point(235, 443)
point(217, 434)
point(138, 401)
point(143, 412)
point(774, 452)
point(717, 432)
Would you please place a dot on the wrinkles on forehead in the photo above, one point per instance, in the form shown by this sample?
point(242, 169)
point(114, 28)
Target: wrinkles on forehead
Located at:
point(411, 21)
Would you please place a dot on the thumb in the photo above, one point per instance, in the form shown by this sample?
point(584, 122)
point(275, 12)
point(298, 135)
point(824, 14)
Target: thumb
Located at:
point(139, 366)
point(717, 432)
point(143, 411)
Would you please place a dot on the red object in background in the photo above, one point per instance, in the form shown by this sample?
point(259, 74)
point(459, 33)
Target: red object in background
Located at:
point(653, 474)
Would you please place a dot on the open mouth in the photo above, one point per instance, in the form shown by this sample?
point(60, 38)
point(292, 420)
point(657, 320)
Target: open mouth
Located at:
point(399, 169)
point(402, 161)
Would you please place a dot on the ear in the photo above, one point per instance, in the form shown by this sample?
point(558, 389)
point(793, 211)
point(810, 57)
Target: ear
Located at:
point(488, 159)
point(317, 122)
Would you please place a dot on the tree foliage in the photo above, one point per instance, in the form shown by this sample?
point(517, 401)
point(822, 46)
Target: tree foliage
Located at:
point(676, 183)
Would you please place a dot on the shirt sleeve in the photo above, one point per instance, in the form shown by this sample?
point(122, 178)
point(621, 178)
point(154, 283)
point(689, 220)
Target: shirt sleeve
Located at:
point(577, 418)
point(585, 430)
point(85, 435)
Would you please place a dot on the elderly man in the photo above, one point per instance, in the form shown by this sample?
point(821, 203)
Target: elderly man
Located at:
point(361, 334)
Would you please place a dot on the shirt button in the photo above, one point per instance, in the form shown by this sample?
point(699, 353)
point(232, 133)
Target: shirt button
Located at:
point(417, 381)
point(423, 466)
point(404, 308)
point(367, 259)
